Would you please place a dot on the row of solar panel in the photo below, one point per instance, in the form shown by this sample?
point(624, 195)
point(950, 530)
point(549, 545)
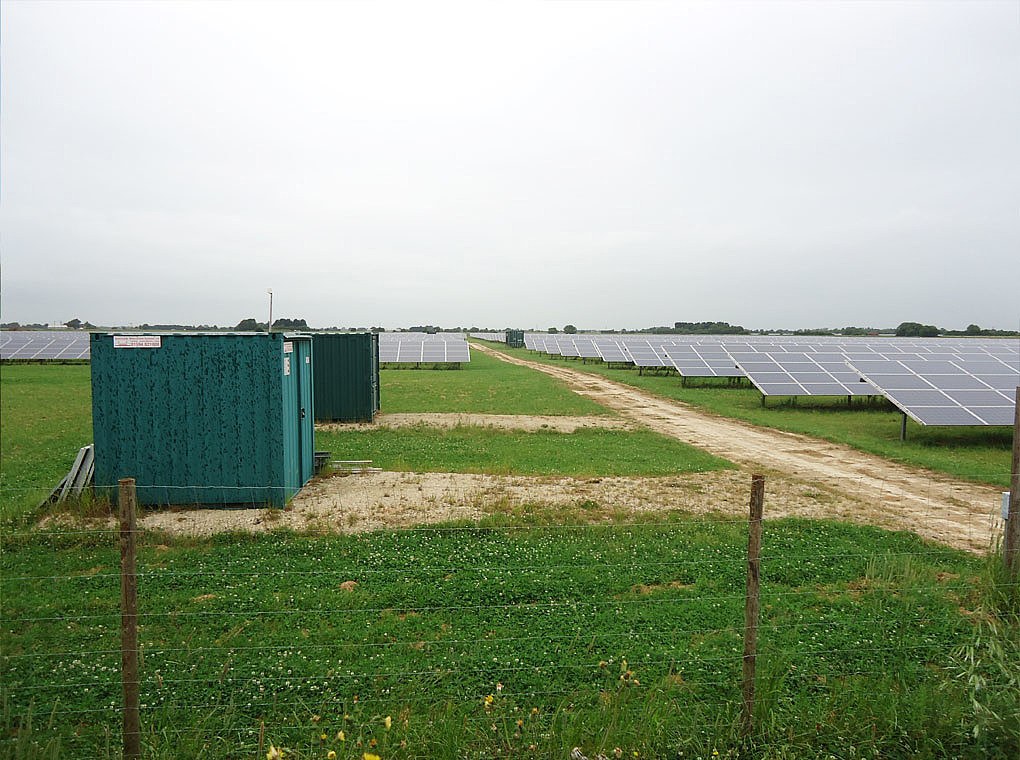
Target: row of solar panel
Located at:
point(934, 381)
point(495, 337)
point(416, 352)
point(406, 347)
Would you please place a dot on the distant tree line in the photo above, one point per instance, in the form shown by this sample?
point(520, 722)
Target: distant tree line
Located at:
point(708, 328)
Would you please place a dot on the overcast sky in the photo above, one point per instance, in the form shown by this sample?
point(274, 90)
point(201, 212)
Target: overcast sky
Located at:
point(611, 165)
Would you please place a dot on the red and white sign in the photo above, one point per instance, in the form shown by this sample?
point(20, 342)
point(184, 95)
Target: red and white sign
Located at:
point(288, 347)
point(137, 341)
point(286, 365)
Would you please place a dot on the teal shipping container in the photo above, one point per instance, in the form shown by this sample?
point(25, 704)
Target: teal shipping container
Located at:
point(346, 376)
point(515, 338)
point(204, 418)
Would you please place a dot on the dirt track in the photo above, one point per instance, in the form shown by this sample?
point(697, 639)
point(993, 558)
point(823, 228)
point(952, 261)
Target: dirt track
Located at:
point(931, 504)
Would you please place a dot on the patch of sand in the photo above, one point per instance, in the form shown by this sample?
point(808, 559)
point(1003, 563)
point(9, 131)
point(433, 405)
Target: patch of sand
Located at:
point(372, 501)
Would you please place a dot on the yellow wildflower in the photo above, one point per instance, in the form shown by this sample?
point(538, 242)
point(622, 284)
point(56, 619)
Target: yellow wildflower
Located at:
point(340, 736)
point(372, 742)
point(273, 753)
point(322, 737)
point(331, 755)
point(370, 756)
point(488, 700)
point(388, 721)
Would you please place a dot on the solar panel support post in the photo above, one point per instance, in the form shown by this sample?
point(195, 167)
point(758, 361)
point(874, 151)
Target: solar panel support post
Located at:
point(1011, 547)
point(903, 427)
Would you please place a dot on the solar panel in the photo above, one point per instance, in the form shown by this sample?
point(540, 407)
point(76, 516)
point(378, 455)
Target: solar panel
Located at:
point(586, 348)
point(801, 374)
point(418, 348)
point(44, 345)
point(702, 361)
point(643, 354)
point(610, 351)
point(942, 392)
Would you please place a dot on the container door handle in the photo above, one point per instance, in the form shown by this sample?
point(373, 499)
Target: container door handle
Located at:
point(302, 412)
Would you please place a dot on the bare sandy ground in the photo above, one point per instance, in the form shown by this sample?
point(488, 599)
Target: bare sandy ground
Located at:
point(372, 501)
point(805, 477)
point(528, 423)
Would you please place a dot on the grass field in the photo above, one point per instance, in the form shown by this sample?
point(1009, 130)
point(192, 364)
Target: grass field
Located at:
point(45, 417)
point(586, 452)
point(971, 453)
point(600, 637)
point(483, 386)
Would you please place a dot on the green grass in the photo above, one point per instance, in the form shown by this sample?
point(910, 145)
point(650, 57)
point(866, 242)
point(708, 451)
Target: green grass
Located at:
point(239, 632)
point(45, 417)
point(972, 453)
point(585, 452)
point(482, 386)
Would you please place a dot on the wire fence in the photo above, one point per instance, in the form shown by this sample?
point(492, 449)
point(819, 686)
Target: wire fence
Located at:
point(488, 635)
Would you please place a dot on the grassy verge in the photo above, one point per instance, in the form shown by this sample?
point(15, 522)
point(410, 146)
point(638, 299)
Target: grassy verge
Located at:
point(972, 453)
point(585, 452)
point(499, 640)
point(482, 386)
point(45, 417)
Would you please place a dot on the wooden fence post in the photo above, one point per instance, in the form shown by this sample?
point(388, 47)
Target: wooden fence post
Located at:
point(129, 619)
point(751, 602)
point(1011, 544)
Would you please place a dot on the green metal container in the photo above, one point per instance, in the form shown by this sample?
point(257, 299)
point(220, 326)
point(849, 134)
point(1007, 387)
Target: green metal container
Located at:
point(198, 418)
point(346, 376)
point(515, 338)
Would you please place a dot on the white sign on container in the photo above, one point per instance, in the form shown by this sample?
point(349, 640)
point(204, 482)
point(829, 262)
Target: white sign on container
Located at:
point(286, 365)
point(137, 341)
point(288, 347)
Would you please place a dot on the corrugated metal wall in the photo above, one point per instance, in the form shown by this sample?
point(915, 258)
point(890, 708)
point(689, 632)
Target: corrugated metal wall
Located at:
point(202, 419)
point(346, 376)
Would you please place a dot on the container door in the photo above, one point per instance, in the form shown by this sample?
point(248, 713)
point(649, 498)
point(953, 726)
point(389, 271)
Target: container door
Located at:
point(291, 422)
point(307, 411)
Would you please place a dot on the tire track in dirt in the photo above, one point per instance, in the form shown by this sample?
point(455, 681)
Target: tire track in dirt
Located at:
point(930, 504)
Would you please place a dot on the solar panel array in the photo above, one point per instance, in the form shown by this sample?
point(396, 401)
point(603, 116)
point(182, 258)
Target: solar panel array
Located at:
point(702, 361)
point(802, 374)
point(42, 345)
point(495, 337)
point(956, 391)
point(419, 348)
point(934, 394)
point(393, 347)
